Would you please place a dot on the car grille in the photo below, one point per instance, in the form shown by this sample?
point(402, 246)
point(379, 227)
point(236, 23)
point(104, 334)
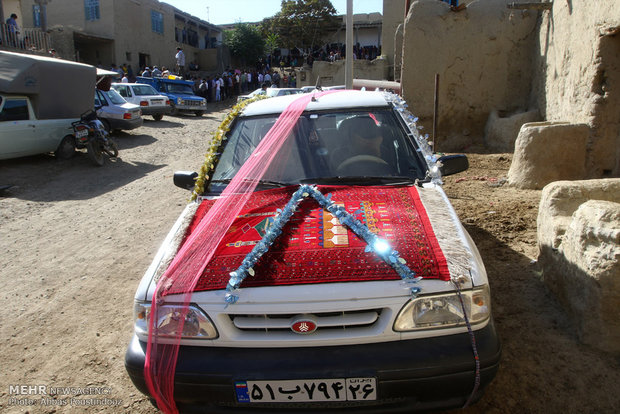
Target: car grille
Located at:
point(192, 103)
point(325, 321)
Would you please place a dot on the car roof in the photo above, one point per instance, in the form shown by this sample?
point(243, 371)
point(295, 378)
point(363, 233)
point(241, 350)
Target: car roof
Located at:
point(342, 99)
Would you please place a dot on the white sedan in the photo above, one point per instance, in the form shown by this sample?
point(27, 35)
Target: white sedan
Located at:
point(343, 278)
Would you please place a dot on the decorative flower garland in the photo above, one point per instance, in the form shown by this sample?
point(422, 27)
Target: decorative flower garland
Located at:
point(374, 244)
point(216, 141)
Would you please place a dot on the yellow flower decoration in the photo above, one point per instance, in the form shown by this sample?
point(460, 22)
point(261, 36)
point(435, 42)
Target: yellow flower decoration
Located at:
point(216, 141)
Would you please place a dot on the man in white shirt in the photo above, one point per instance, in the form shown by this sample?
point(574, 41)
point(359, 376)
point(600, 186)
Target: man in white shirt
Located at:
point(180, 57)
point(218, 92)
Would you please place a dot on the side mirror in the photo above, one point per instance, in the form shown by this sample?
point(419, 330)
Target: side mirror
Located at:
point(452, 164)
point(185, 179)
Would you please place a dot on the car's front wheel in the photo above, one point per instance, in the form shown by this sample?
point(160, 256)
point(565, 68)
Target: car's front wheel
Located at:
point(199, 113)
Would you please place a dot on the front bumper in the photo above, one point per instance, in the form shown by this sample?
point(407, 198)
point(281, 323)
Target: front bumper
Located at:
point(412, 375)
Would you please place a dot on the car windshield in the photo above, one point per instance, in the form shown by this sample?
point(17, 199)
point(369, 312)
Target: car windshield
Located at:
point(179, 88)
point(115, 97)
point(142, 90)
point(351, 147)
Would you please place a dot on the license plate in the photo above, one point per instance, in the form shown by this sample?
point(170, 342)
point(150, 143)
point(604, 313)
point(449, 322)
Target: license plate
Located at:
point(81, 133)
point(307, 390)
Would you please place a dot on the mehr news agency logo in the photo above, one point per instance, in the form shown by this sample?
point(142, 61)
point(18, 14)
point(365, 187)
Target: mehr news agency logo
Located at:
point(45, 395)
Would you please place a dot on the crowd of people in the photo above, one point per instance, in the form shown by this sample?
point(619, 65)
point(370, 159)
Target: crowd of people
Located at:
point(328, 52)
point(232, 83)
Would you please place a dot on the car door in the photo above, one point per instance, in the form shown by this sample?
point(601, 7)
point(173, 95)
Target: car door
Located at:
point(126, 92)
point(18, 129)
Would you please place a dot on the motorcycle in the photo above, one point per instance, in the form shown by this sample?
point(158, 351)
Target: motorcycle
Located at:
point(91, 134)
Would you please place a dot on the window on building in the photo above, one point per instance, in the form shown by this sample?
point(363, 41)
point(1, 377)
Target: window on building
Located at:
point(91, 9)
point(157, 22)
point(36, 15)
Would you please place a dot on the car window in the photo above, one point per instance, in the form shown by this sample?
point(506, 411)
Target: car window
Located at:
point(142, 90)
point(100, 99)
point(114, 97)
point(326, 145)
point(123, 91)
point(15, 110)
point(179, 88)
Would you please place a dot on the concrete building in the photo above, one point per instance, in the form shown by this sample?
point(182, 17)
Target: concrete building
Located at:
point(135, 32)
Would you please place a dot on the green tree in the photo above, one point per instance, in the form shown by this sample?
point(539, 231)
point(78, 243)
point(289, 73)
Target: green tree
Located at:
point(302, 23)
point(245, 43)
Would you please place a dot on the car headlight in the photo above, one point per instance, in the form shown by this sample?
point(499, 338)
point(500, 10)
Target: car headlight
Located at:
point(197, 324)
point(179, 101)
point(444, 310)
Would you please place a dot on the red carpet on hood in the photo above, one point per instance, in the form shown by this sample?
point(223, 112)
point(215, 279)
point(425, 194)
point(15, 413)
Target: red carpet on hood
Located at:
point(315, 248)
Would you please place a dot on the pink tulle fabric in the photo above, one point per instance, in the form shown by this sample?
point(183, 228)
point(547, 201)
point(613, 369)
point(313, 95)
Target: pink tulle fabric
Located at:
point(195, 254)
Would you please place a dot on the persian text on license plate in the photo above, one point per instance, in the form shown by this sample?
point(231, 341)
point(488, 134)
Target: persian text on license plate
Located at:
point(81, 133)
point(308, 390)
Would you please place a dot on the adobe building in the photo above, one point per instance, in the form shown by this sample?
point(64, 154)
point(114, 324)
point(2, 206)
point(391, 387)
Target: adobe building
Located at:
point(499, 59)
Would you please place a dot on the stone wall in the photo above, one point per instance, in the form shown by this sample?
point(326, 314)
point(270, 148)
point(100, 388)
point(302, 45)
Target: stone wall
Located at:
point(577, 75)
point(579, 243)
point(333, 73)
point(393, 16)
point(483, 57)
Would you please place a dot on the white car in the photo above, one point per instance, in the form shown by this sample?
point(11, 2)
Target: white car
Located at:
point(344, 282)
point(146, 97)
point(270, 92)
point(115, 112)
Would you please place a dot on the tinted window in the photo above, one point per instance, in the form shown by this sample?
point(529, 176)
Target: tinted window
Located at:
point(15, 110)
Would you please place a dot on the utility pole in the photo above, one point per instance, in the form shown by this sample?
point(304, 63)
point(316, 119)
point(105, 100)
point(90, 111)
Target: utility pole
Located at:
point(348, 64)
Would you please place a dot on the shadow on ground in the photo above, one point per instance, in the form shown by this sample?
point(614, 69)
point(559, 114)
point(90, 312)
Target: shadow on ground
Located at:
point(542, 361)
point(42, 177)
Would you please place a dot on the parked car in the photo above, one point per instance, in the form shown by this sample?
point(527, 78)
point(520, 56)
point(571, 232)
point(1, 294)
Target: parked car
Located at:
point(270, 92)
point(39, 98)
point(115, 112)
point(180, 92)
point(146, 97)
point(346, 282)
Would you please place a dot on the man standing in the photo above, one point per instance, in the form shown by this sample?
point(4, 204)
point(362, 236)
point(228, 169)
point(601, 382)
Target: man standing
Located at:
point(13, 29)
point(180, 57)
point(203, 89)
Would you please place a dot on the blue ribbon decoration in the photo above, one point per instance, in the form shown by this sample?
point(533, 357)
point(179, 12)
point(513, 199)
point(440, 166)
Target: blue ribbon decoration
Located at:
point(374, 243)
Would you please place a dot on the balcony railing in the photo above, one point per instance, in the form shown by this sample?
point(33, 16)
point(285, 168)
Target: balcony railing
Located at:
point(33, 39)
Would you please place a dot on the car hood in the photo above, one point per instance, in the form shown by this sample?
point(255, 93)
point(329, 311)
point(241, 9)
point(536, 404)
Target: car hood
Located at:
point(315, 249)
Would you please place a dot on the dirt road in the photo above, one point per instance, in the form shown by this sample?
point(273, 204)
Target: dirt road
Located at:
point(75, 240)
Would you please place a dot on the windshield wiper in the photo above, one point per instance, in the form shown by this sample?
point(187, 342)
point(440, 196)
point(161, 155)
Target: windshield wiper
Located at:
point(364, 180)
point(266, 183)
